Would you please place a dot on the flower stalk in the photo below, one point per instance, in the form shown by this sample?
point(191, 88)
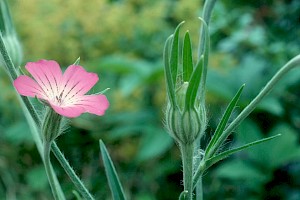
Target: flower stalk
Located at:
point(50, 173)
point(187, 151)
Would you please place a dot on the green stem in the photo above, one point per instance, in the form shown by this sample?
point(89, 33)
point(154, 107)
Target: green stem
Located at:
point(269, 86)
point(50, 173)
point(199, 190)
point(187, 151)
point(197, 178)
point(72, 175)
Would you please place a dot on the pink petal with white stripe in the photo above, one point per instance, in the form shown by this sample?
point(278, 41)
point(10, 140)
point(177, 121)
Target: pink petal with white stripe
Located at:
point(77, 81)
point(95, 104)
point(68, 111)
point(28, 87)
point(47, 74)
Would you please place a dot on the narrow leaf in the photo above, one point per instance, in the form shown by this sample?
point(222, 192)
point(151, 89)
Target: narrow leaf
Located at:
point(193, 86)
point(111, 174)
point(227, 153)
point(174, 53)
point(168, 72)
point(187, 58)
point(221, 126)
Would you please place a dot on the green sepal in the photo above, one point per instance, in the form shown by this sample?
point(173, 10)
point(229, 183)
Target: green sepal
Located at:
point(77, 61)
point(194, 84)
point(174, 60)
point(223, 155)
point(187, 58)
point(51, 126)
point(111, 174)
point(103, 91)
point(205, 60)
point(20, 71)
point(221, 126)
point(168, 72)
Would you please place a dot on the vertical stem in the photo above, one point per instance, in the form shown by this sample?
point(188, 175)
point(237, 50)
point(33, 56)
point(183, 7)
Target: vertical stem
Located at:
point(72, 175)
point(50, 173)
point(187, 151)
point(199, 189)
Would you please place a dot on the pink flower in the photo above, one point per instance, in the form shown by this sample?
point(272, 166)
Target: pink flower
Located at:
point(65, 93)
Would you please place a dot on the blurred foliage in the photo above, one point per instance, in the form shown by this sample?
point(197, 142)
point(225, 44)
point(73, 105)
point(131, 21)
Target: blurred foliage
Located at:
point(122, 40)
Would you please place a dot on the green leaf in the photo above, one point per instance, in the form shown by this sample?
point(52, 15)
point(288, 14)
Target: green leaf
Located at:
point(168, 72)
point(221, 126)
point(111, 174)
point(193, 87)
point(174, 53)
point(227, 153)
point(187, 58)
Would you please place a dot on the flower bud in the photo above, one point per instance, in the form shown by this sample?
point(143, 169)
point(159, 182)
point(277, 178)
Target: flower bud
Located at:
point(51, 126)
point(185, 125)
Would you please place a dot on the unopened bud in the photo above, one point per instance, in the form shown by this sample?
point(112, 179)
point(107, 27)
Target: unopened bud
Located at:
point(185, 125)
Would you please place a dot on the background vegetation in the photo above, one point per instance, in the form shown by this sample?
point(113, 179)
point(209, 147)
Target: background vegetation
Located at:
point(122, 40)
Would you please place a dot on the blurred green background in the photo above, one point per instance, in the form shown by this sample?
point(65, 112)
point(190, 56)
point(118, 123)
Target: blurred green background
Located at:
point(122, 40)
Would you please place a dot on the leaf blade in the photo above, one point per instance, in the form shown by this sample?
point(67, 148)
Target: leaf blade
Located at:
point(227, 153)
point(221, 126)
point(111, 174)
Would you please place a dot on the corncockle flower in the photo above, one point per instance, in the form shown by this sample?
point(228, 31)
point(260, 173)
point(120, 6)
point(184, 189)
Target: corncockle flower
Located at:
point(65, 93)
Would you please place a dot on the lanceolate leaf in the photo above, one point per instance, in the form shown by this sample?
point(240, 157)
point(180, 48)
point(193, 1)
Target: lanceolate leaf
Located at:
point(168, 72)
point(187, 58)
point(193, 86)
point(210, 148)
point(111, 174)
point(174, 53)
point(227, 153)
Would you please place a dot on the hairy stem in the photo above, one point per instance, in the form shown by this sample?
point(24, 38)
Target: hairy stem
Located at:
point(187, 151)
point(72, 175)
point(49, 171)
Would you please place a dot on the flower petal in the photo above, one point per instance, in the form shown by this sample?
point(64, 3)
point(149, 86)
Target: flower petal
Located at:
point(68, 111)
point(95, 104)
point(77, 81)
point(47, 74)
point(28, 87)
